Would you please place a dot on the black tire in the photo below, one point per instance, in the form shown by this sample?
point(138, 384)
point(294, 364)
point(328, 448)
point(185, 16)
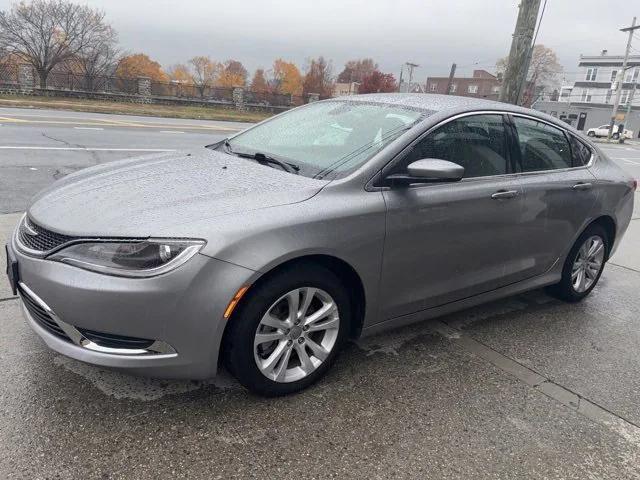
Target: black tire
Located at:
point(238, 349)
point(615, 136)
point(591, 134)
point(564, 289)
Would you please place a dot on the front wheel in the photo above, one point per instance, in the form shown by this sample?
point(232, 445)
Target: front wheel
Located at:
point(286, 335)
point(591, 134)
point(583, 266)
point(615, 136)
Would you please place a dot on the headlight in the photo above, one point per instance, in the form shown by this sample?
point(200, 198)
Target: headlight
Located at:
point(129, 258)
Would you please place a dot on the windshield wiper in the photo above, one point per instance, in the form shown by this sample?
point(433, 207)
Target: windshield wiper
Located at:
point(264, 159)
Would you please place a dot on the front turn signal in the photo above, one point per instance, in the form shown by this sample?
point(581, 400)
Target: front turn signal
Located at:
point(234, 301)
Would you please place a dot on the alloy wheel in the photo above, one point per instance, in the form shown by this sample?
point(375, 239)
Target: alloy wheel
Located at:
point(296, 334)
point(588, 263)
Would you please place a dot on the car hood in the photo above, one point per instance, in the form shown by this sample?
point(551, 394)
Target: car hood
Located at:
point(159, 194)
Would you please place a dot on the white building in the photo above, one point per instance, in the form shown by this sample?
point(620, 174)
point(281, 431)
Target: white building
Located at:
point(596, 80)
point(588, 102)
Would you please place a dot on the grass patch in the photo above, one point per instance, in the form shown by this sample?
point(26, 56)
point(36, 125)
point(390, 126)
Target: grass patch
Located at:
point(98, 106)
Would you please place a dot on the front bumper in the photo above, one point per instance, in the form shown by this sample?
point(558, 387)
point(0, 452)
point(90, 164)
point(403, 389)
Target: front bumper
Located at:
point(182, 312)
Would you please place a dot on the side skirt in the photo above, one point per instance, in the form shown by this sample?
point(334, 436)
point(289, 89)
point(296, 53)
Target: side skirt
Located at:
point(551, 277)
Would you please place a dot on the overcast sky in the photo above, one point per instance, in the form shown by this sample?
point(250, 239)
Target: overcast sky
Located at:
point(432, 33)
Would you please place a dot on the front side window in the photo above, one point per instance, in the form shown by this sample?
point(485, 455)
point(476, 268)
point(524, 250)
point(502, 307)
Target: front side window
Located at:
point(477, 142)
point(328, 138)
point(542, 146)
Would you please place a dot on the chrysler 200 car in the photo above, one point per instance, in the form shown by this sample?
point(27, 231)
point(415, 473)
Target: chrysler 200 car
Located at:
point(268, 250)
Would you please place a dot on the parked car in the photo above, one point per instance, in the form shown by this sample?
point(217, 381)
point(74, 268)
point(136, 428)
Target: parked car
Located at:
point(338, 219)
point(603, 131)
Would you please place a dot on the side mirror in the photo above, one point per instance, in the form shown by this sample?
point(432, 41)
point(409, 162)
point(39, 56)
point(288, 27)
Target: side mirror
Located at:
point(429, 170)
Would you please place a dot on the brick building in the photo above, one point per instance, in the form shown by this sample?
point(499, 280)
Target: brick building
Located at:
point(481, 85)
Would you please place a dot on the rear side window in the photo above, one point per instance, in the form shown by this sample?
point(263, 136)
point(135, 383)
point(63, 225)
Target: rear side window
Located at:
point(580, 152)
point(477, 142)
point(542, 147)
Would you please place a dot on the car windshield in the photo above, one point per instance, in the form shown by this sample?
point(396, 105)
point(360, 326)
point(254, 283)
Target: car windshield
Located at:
point(329, 138)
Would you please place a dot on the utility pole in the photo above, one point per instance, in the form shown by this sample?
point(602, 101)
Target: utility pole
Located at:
point(400, 81)
point(515, 75)
point(452, 74)
point(621, 74)
point(410, 67)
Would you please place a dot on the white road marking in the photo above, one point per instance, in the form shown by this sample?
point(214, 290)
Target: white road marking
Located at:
point(90, 149)
point(88, 128)
point(170, 131)
point(626, 159)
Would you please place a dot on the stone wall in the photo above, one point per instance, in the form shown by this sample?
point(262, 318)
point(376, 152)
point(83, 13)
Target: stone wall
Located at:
point(26, 78)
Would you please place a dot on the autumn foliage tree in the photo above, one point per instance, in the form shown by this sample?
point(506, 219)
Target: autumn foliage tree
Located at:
point(259, 82)
point(378, 82)
point(233, 74)
point(357, 70)
point(140, 65)
point(318, 78)
point(180, 73)
point(286, 78)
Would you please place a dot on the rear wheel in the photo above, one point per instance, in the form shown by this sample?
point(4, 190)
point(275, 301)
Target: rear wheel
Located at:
point(591, 134)
point(583, 266)
point(286, 335)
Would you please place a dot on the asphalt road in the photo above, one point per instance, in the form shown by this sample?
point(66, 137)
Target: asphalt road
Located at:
point(40, 146)
point(526, 387)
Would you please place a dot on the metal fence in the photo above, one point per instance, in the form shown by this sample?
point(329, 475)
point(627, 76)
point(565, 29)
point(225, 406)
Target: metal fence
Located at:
point(73, 82)
point(9, 77)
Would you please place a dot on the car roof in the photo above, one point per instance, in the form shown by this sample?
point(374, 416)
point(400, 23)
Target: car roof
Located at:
point(426, 101)
point(447, 104)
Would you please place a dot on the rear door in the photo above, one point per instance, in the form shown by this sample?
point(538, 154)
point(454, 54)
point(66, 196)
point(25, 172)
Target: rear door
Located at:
point(559, 191)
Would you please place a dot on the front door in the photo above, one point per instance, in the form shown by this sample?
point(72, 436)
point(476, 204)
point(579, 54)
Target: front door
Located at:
point(449, 241)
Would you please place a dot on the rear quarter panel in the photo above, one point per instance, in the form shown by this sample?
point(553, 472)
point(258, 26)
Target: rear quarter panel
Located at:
point(616, 195)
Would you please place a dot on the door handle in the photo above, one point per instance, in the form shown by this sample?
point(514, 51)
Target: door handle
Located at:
point(582, 186)
point(504, 194)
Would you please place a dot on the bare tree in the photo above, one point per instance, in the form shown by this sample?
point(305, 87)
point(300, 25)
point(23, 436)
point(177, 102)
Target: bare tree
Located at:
point(543, 72)
point(100, 58)
point(319, 77)
point(205, 72)
point(48, 33)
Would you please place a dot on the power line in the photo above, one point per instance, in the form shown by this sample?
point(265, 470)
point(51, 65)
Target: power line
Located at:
point(535, 37)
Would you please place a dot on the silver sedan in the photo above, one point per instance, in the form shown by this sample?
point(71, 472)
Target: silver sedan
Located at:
point(338, 219)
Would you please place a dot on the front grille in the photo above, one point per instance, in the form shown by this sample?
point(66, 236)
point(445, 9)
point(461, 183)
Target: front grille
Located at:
point(44, 240)
point(41, 316)
point(115, 341)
